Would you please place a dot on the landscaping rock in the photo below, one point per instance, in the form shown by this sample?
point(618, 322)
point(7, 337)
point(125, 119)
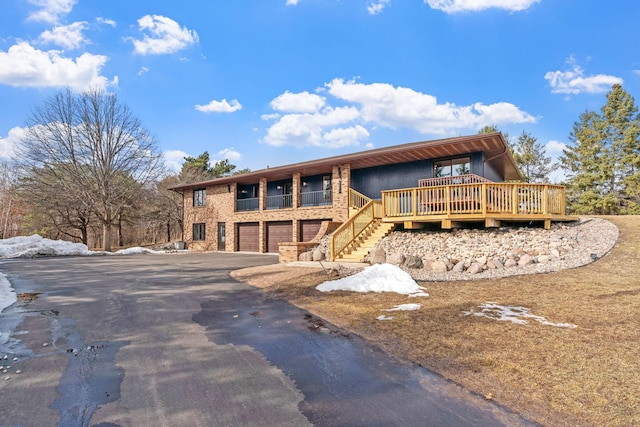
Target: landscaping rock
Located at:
point(413, 261)
point(439, 266)
point(396, 258)
point(377, 256)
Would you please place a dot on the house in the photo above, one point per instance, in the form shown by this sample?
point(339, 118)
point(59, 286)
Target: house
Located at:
point(447, 182)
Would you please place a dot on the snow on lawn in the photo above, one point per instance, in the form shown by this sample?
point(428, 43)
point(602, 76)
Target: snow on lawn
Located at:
point(517, 315)
point(401, 307)
point(36, 245)
point(376, 278)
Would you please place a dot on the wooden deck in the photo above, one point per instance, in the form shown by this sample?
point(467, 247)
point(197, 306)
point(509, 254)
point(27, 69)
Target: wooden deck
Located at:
point(489, 202)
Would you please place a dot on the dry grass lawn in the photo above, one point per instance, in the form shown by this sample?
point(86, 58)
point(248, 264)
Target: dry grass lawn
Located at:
point(589, 375)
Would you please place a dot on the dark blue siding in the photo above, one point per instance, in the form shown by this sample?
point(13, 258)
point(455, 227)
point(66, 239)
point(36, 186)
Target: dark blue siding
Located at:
point(371, 181)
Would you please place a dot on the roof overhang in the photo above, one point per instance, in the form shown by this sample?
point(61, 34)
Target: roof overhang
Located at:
point(493, 145)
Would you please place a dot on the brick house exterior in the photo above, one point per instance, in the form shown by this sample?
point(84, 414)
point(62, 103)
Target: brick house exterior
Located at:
point(258, 210)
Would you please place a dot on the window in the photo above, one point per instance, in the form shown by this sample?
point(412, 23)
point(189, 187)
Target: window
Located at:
point(452, 167)
point(199, 197)
point(199, 231)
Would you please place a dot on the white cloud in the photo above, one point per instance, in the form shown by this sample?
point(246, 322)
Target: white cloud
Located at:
point(292, 2)
point(24, 66)
point(143, 70)
point(394, 107)
point(636, 72)
point(303, 102)
point(573, 81)
point(51, 10)
point(9, 144)
point(67, 36)
point(173, 159)
point(229, 154)
point(220, 106)
point(377, 7)
point(453, 6)
point(321, 129)
point(166, 36)
point(106, 21)
point(554, 147)
point(308, 120)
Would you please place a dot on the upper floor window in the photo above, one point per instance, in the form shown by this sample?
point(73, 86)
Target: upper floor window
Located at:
point(199, 197)
point(452, 167)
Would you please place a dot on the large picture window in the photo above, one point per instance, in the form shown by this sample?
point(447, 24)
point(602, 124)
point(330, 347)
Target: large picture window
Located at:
point(199, 197)
point(452, 167)
point(199, 231)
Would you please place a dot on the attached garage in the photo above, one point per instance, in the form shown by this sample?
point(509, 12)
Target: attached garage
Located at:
point(309, 229)
point(278, 231)
point(249, 237)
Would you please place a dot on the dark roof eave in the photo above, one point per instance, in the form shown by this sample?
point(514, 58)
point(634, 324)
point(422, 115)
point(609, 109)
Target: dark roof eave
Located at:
point(492, 144)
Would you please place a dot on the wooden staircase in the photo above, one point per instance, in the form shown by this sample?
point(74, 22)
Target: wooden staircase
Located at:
point(361, 246)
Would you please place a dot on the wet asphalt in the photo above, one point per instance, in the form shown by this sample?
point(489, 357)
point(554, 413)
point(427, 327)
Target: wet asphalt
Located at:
point(173, 340)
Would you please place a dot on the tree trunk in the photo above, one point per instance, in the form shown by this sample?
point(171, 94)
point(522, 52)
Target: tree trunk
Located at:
point(120, 238)
point(106, 236)
point(168, 230)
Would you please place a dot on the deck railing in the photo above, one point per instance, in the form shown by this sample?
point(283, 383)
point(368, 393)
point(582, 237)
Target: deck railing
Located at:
point(479, 199)
point(449, 180)
point(357, 200)
point(315, 198)
point(282, 201)
point(351, 229)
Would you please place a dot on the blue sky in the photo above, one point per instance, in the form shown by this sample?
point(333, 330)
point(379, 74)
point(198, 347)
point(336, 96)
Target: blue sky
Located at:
point(271, 82)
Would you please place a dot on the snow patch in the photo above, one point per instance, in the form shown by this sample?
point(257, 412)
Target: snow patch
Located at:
point(404, 307)
point(36, 245)
point(376, 278)
point(514, 314)
point(7, 294)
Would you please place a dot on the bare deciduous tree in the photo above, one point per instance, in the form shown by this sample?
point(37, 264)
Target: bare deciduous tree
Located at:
point(94, 147)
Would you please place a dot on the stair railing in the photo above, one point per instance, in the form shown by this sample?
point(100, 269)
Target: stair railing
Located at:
point(349, 231)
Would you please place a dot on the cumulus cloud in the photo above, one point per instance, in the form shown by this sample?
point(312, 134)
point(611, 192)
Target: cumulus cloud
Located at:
point(173, 160)
point(164, 36)
point(573, 81)
point(9, 144)
point(377, 7)
point(308, 120)
point(230, 154)
point(453, 6)
point(326, 128)
point(51, 10)
point(394, 107)
point(220, 106)
point(24, 66)
point(292, 2)
point(68, 36)
point(303, 102)
point(554, 147)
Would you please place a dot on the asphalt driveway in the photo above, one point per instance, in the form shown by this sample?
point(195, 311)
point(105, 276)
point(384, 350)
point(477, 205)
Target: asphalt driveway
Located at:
point(173, 340)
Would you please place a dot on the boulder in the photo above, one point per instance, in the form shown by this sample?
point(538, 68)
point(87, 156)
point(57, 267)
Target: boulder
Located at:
point(377, 256)
point(439, 266)
point(318, 255)
point(396, 259)
point(510, 263)
point(413, 261)
point(459, 267)
point(474, 268)
point(306, 256)
point(525, 259)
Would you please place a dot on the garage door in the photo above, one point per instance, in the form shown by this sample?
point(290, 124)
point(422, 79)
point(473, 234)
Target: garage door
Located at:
point(309, 229)
point(280, 231)
point(248, 237)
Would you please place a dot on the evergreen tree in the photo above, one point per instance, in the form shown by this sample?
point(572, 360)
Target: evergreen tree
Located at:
point(530, 155)
point(603, 161)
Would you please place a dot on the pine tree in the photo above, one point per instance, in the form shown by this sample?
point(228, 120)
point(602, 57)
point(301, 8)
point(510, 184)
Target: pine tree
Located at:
point(603, 161)
point(530, 155)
